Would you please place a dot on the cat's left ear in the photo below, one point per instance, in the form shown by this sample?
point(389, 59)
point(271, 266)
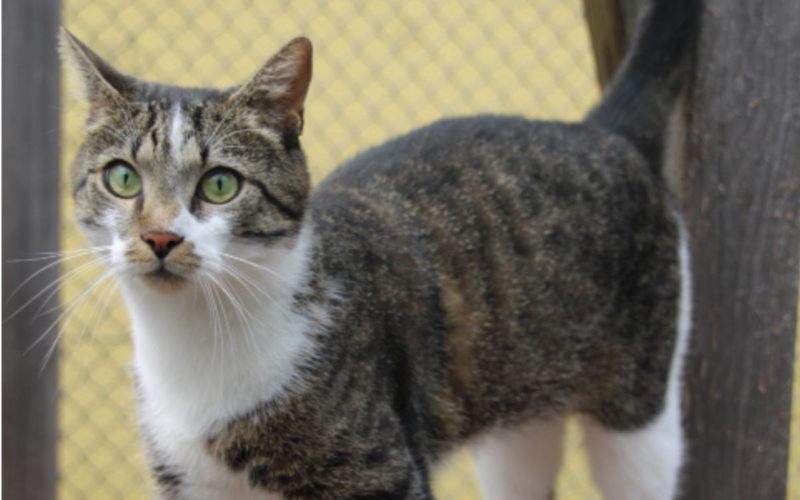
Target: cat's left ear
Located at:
point(279, 88)
point(102, 86)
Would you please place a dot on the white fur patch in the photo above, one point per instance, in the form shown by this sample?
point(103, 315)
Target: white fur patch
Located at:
point(176, 133)
point(209, 237)
point(199, 366)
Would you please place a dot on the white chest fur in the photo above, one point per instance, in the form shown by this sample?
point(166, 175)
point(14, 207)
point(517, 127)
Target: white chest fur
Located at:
point(199, 365)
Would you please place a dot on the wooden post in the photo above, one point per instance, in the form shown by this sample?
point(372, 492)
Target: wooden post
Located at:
point(608, 34)
point(30, 224)
point(742, 205)
point(611, 26)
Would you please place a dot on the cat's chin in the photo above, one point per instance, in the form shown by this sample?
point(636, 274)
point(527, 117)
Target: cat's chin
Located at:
point(164, 281)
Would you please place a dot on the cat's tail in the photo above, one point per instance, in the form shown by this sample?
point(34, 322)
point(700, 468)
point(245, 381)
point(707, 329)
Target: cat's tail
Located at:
point(640, 98)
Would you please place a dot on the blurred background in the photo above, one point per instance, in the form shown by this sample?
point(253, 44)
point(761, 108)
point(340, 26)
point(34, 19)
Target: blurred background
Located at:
point(381, 68)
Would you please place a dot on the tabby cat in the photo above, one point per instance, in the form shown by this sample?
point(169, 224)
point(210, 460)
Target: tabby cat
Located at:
point(472, 282)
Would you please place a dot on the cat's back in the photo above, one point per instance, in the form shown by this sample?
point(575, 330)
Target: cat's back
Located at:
point(543, 251)
point(505, 173)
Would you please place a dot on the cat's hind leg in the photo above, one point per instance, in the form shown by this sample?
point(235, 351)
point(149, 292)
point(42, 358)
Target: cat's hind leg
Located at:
point(644, 464)
point(637, 465)
point(520, 463)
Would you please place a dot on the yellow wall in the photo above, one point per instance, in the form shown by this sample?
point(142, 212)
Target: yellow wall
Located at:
point(793, 492)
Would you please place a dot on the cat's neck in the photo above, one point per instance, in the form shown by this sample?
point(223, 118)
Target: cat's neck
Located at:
point(200, 358)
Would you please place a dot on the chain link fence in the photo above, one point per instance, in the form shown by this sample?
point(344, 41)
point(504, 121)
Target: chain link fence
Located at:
point(381, 68)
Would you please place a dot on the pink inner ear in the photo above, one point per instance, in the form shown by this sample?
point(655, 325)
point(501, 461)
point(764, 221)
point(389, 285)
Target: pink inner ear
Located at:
point(282, 83)
point(299, 56)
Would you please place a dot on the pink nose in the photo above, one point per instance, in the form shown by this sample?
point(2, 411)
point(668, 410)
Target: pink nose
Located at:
point(161, 242)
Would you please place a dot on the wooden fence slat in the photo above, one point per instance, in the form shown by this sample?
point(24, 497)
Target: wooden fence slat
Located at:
point(30, 224)
point(742, 203)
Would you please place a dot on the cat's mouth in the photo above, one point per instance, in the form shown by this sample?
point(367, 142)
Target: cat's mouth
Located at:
point(163, 278)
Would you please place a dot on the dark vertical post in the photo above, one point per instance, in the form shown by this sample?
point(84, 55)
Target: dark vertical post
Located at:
point(30, 224)
point(611, 25)
point(742, 204)
point(608, 35)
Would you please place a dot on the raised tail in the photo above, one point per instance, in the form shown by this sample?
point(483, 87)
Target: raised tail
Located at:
point(639, 99)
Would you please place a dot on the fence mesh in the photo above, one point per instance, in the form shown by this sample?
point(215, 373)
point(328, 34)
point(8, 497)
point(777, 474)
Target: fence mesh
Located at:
point(381, 68)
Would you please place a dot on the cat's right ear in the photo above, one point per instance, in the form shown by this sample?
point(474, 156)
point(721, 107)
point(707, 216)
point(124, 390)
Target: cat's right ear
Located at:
point(102, 86)
point(278, 90)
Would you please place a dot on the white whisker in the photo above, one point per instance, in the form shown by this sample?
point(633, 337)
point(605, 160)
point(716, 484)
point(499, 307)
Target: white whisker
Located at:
point(212, 307)
point(39, 312)
point(69, 310)
point(61, 280)
point(218, 307)
point(243, 278)
point(241, 312)
point(39, 256)
point(258, 266)
point(45, 268)
point(106, 293)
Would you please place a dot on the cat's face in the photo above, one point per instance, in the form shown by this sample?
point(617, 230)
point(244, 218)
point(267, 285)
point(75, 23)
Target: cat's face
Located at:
point(176, 180)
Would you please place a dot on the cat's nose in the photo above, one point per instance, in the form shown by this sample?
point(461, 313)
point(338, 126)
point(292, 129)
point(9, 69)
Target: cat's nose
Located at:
point(161, 242)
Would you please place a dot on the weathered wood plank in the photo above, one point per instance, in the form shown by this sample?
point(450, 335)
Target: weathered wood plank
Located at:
point(30, 224)
point(742, 203)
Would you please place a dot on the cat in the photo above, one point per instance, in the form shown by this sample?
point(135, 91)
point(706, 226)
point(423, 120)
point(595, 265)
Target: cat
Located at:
point(474, 281)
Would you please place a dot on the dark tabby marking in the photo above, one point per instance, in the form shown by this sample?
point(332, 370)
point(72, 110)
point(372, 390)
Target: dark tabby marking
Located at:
point(476, 274)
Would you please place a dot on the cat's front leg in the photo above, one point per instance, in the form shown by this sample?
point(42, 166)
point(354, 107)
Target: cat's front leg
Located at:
point(305, 467)
point(311, 481)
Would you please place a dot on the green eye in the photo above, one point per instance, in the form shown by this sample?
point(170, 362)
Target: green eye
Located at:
point(122, 180)
point(219, 185)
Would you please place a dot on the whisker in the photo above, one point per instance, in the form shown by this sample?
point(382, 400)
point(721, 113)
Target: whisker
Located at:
point(248, 288)
point(107, 297)
point(110, 294)
point(245, 280)
point(218, 323)
point(76, 302)
point(101, 260)
point(65, 324)
point(238, 308)
point(39, 256)
point(212, 307)
point(221, 306)
point(245, 261)
point(242, 277)
point(43, 269)
point(86, 324)
point(61, 280)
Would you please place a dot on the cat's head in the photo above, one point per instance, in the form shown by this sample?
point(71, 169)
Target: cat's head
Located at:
point(172, 179)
